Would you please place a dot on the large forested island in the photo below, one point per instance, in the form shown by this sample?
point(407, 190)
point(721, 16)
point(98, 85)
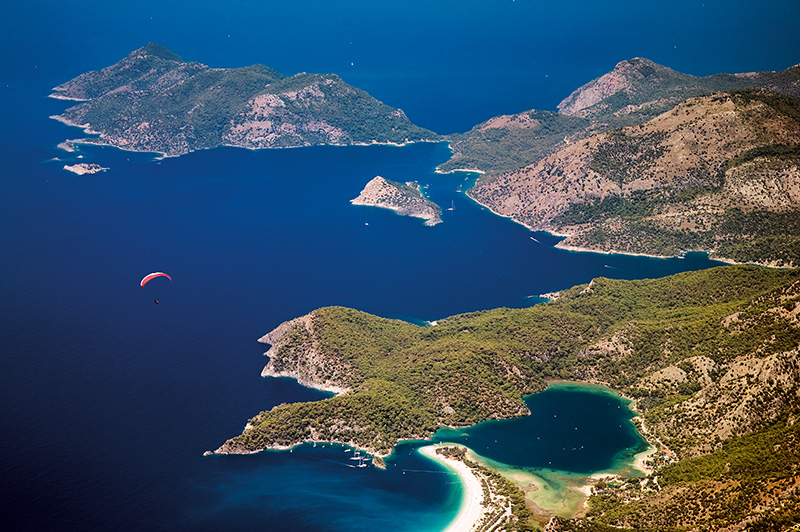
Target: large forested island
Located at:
point(710, 357)
point(153, 100)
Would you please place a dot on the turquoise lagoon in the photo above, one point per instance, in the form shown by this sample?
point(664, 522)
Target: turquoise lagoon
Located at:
point(573, 431)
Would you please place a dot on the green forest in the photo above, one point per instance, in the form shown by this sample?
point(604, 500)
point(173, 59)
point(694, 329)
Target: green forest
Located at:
point(406, 380)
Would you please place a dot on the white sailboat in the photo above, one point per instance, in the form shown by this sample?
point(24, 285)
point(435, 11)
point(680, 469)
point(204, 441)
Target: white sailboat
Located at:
point(363, 460)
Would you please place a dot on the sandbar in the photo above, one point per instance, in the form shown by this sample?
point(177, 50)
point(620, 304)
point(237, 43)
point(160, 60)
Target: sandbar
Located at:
point(472, 510)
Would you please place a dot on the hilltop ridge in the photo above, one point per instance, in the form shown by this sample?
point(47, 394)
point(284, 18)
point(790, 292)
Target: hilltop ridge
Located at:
point(633, 92)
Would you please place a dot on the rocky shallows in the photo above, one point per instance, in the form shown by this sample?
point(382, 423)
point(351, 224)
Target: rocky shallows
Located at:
point(405, 199)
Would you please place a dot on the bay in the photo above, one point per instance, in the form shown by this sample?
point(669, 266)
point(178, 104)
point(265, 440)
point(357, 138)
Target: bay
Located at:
point(576, 428)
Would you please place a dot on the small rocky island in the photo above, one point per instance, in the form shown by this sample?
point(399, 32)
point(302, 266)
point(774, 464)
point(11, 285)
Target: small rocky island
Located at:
point(405, 199)
point(84, 168)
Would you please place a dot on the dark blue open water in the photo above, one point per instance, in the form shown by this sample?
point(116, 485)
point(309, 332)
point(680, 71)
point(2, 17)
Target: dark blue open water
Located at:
point(108, 401)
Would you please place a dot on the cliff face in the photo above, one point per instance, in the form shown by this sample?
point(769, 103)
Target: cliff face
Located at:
point(154, 101)
point(294, 352)
point(405, 199)
point(669, 185)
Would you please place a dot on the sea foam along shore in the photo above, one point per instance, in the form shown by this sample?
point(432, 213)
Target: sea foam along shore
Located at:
point(472, 511)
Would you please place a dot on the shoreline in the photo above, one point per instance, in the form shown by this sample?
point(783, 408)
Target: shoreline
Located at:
point(453, 171)
point(430, 221)
point(322, 387)
point(376, 459)
point(471, 511)
point(57, 96)
point(84, 168)
point(86, 128)
point(547, 492)
point(578, 249)
point(162, 155)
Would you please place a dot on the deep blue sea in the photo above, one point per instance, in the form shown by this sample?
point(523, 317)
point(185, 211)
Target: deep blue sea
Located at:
point(109, 401)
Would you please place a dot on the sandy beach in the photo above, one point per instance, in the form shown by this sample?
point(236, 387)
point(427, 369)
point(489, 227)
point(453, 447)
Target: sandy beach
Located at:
point(471, 511)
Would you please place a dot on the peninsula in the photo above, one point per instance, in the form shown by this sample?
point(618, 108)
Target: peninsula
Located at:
point(647, 160)
point(405, 199)
point(710, 358)
point(153, 100)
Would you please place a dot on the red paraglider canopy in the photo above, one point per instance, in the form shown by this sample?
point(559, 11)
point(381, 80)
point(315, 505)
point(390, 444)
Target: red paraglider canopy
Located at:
point(153, 275)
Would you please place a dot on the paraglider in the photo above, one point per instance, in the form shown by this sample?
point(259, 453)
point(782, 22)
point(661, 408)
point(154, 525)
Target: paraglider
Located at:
point(151, 276)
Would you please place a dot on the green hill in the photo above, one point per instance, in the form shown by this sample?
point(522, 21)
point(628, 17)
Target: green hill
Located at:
point(710, 358)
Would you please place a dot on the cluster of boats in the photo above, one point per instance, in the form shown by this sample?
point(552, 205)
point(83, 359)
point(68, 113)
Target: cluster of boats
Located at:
point(363, 460)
